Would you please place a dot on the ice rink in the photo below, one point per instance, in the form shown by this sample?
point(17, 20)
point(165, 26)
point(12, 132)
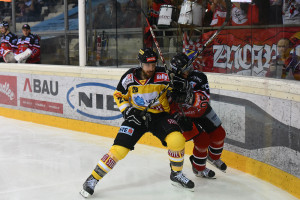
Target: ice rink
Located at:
point(45, 163)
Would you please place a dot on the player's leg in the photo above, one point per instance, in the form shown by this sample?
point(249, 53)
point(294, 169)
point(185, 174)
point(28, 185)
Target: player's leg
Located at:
point(127, 137)
point(167, 130)
point(215, 148)
point(211, 123)
point(106, 163)
point(199, 157)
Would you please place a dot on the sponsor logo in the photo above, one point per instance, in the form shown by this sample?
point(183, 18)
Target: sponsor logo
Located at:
point(172, 121)
point(161, 77)
point(86, 100)
point(41, 86)
point(8, 90)
point(42, 105)
point(127, 80)
point(126, 130)
point(151, 59)
point(145, 98)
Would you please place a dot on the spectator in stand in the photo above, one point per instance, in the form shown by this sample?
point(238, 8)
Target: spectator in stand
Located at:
point(218, 7)
point(101, 17)
point(132, 14)
point(29, 10)
point(28, 47)
point(287, 63)
point(155, 7)
point(8, 40)
point(114, 13)
point(275, 16)
point(263, 11)
point(5, 8)
point(291, 12)
point(243, 14)
point(20, 13)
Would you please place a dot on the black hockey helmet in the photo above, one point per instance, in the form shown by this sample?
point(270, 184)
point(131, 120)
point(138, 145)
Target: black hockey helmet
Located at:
point(179, 64)
point(4, 24)
point(147, 55)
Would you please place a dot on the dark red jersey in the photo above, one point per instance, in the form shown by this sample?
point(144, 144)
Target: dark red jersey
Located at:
point(200, 88)
point(33, 43)
point(8, 42)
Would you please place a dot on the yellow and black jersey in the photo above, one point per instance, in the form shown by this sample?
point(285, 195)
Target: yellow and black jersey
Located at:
point(139, 93)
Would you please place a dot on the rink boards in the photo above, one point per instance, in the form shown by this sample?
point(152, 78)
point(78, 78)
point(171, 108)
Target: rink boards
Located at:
point(261, 116)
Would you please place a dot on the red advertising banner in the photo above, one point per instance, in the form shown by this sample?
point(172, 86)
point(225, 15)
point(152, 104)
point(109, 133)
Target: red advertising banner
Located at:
point(42, 105)
point(243, 51)
point(8, 90)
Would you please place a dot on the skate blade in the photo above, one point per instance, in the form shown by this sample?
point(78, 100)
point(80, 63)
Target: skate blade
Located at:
point(84, 193)
point(178, 185)
point(205, 177)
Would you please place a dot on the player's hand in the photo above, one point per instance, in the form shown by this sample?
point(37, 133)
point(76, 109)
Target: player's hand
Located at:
point(184, 122)
point(182, 96)
point(134, 115)
point(179, 83)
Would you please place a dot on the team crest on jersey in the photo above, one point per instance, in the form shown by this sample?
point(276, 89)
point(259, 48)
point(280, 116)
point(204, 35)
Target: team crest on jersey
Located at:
point(160, 76)
point(193, 84)
point(127, 80)
point(143, 99)
point(127, 130)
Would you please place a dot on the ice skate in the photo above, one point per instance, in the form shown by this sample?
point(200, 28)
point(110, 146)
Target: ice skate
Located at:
point(206, 173)
point(218, 164)
point(89, 186)
point(179, 179)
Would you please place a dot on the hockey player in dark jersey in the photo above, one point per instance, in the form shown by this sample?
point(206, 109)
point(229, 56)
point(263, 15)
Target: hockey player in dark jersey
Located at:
point(190, 107)
point(136, 89)
point(28, 47)
point(8, 40)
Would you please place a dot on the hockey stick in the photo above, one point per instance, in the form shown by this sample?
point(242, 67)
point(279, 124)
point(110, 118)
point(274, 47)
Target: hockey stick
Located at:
point(156, 43)
point(228, 11)
point(164, 64)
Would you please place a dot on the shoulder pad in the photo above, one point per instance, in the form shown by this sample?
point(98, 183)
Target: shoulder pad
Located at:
point(127, 79)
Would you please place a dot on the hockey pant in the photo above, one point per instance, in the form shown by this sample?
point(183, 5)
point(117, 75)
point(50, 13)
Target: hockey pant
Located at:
point(207, 144)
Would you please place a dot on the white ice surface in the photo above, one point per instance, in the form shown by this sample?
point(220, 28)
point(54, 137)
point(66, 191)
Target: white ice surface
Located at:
point(45, 163)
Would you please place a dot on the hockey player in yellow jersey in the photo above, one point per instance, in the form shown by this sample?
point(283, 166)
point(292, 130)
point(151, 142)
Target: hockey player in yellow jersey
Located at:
point(134, 92)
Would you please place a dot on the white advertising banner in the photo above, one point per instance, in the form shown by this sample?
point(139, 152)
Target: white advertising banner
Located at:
point(77, 98)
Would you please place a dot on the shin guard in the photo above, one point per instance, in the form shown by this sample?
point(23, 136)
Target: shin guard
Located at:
point(216, 143)
point(176, 159)
point(103, 167)
point(201, 143)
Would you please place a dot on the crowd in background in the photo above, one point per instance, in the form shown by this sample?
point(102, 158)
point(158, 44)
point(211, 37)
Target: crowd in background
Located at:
point(258, 12)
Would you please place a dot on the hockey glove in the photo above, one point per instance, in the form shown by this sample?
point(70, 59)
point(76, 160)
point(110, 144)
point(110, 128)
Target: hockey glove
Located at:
point(182, 96)
point(184, 122)
point(134, 115)
point(180, 84)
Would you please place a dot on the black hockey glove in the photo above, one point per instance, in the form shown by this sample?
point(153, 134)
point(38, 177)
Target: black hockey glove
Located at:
point(184, 122)
point(182, 96)
point(134, 115)
point(180, 84)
